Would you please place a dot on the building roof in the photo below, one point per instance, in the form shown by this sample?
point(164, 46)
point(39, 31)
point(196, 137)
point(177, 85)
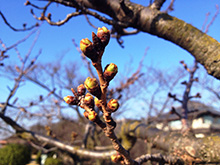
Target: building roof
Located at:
point(196, 109)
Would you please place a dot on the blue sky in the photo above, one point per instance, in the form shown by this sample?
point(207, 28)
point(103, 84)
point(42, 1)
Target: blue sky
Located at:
point(55, 40)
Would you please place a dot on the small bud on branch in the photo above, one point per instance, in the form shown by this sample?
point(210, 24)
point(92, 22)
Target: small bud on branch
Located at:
point(98, 103)
point(86, 114)
point(89, 100)
point(92, 116)
point(87, 47)
point(71, 100)
point(81, 90)
point(93, 87)
point(113, 105)
point(110, 71)
point(104, 35)
point(116, 158)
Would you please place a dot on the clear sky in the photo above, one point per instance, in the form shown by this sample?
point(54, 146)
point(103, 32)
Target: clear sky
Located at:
point(55, 40)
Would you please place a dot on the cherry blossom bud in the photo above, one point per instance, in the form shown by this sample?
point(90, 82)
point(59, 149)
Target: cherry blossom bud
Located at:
point(89, 100)
point(98, 103)
point(71, 100)
point(113, 105)
point(81, 90)
point(116, 158)
point(92, 86)
point(86, 114)
point(110, 71)
point(87, 48)
point(85, 43)
point(92, 116)
point(104, 35)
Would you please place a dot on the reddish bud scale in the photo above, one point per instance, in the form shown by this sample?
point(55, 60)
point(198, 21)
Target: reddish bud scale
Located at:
point(89, 100)
point(104, 35)
point(98, 46)
point(110, 71)
point(71, 100)
point(112, 105)
point(86, 114)
point(81, 90)
point(93, 87)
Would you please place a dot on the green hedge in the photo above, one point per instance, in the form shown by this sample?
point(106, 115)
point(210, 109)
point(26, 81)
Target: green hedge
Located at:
point(52, 161)
point(15, 154)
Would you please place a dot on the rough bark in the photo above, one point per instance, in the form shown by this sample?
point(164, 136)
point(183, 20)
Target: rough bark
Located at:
point(177, 146)
point(204, 48)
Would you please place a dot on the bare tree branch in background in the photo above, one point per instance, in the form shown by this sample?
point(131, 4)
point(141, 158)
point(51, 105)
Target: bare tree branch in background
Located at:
point(186, 95)
point(15, 29)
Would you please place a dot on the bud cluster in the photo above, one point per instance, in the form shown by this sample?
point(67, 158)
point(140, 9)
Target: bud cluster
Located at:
point(74, 100)
point(94, 50)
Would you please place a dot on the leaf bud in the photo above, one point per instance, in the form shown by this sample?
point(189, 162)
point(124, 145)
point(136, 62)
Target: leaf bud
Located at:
point(104, 35)
point(92, 116)
point(110, 71)
point(71, 100)
point(81, 90)
point(92, 86)
point(113, 105)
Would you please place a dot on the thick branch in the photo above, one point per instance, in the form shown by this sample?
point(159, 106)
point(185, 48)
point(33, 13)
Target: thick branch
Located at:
point(179, 147)
point(28, 135)
point(204, 48)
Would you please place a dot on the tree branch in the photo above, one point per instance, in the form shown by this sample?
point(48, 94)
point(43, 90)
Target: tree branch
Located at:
point(203, 47)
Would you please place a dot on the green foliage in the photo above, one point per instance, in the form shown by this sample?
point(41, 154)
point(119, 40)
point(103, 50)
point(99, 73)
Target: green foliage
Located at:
point(15, 154)
point(52, 161)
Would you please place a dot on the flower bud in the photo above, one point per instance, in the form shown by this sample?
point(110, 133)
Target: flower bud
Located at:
point(92, 86)
point(84, 43)
point(116, 158)
point(92, 116)
point(89, 100)
point(110, 71)
point(104, 35)
point(98, 103)
point(86, 114)
point(87, 48)
point(81, 90)
point(71, 100)
point(112, 105)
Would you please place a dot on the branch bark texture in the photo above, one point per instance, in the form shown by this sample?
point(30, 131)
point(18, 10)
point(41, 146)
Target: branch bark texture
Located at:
point(204, 48)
